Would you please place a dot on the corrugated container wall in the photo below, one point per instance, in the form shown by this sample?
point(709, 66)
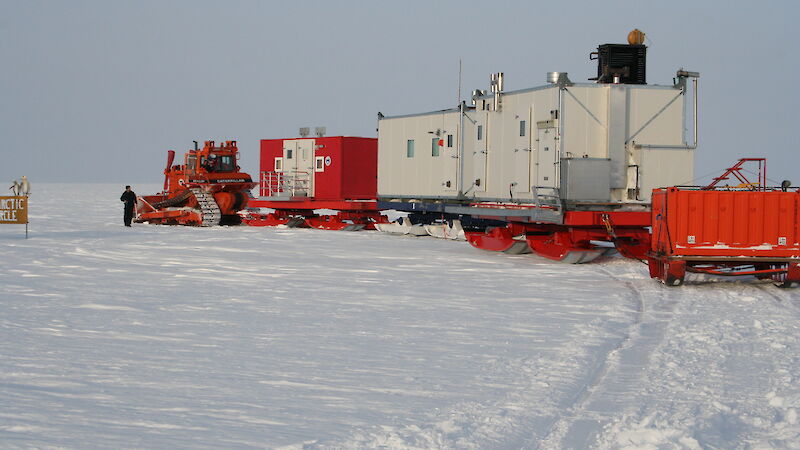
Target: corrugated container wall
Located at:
point(726, 223)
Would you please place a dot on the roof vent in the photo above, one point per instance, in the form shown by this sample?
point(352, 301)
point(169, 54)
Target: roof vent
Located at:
point(559, 78)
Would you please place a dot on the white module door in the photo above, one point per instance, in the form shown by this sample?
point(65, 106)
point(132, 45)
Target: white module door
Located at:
point(546, 160)
point(289, 156)
point(480, 154)
point(522, 153)
point(298, 166)
point(449, 154)
point(305, 163)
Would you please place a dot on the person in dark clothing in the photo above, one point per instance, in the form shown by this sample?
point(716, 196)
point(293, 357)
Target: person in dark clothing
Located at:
point(129, 197)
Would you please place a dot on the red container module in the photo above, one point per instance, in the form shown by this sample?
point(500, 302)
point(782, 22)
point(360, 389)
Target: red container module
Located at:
point(725, 232)
point(320, 168)
point(300, 175)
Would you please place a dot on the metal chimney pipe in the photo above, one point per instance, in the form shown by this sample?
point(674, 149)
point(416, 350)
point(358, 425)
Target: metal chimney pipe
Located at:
point(497, 88)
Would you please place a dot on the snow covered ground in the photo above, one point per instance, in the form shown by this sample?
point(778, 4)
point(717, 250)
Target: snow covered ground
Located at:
point(236, 337)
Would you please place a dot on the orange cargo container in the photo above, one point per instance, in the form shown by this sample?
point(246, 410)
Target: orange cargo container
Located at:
point(725, 232)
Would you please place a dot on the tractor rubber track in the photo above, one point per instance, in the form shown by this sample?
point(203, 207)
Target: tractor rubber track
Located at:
point(209, 210)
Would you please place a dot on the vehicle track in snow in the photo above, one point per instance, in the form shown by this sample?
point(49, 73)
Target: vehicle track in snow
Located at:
point(723, 360)
point(586, 416)
point(555, 393)
point(783, 297)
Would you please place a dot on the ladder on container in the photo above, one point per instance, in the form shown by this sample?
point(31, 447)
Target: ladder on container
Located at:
point(736, 172)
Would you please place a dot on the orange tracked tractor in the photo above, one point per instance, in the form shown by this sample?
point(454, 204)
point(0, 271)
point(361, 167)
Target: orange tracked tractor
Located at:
point(207, 189)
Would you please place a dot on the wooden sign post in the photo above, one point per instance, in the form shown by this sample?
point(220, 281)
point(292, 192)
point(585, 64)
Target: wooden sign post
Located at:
point(14, 210)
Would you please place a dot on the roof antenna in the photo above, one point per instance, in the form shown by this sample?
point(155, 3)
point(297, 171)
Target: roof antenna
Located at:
point(459, 81)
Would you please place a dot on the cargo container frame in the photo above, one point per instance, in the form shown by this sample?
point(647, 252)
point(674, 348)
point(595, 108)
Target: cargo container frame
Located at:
point(754, 230)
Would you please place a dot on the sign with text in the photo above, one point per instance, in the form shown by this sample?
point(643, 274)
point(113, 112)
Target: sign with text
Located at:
point(14, 209)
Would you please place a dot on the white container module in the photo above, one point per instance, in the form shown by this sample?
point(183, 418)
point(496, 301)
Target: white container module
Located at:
point(553, 169)
point(579, 142)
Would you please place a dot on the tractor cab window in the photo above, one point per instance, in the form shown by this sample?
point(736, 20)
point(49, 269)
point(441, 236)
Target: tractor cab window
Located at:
point(216, 163)
point(191, 162)
point(225, 164)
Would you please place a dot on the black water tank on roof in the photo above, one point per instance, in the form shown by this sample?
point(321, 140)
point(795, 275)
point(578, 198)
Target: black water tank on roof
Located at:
point(629, 62)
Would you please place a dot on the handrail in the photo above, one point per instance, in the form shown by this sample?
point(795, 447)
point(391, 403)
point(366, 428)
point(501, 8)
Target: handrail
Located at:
point(283, 184)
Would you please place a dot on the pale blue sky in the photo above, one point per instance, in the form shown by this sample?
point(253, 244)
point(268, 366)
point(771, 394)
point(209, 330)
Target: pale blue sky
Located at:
point(100, 90)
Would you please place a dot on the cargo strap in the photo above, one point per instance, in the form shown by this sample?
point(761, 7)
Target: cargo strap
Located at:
point(609, 227)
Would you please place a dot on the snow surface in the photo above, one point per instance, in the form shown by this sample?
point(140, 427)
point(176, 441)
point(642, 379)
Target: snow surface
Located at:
point(236, 337)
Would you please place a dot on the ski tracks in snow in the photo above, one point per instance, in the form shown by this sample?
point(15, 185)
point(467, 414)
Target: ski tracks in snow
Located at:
point(786, 298)
point(615, 373)
point(724, 375)
point(566, 398)
point(692, 371)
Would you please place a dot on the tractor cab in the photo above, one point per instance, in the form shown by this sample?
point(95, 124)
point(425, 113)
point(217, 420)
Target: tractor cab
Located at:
point(212, 159)
point(219, 163)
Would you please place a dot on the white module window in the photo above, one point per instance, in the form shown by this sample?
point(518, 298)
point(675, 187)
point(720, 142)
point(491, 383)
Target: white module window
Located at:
point(522, 128)
point(480, 132)
point(278, 164)
point(410, 148)
point(435, 147)
point(319, 164)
